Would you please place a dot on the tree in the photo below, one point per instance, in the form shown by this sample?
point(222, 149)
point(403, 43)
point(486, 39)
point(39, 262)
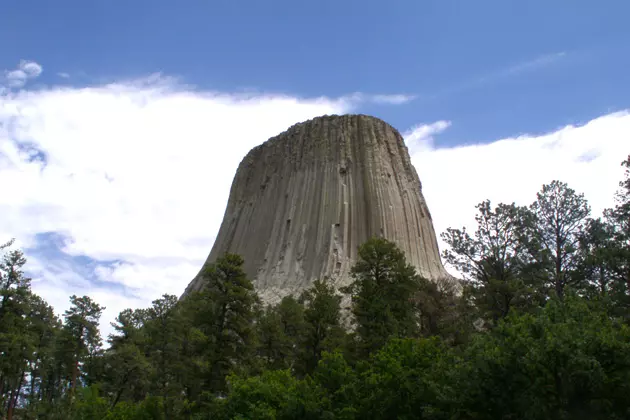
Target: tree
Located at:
point(81, 336)
point(407, 379)
point(494, 261)
point(566, 362)
point(560, 214)
point(618, 218)
point(323, 330)
point(16, 342)
point(382, 295)
point(163, 331)
point(128, 371)
point(597, 256)
point(224, 314)
point(280, 330)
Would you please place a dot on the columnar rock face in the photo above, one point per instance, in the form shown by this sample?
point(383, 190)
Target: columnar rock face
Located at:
point(302, 202)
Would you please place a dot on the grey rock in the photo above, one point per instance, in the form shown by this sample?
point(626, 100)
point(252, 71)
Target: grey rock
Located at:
point(303, 201)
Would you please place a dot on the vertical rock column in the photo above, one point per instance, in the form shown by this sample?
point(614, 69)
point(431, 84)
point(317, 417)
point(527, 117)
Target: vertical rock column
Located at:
point(302, 202)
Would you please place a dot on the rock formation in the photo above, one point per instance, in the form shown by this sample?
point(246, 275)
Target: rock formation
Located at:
point(303, 201)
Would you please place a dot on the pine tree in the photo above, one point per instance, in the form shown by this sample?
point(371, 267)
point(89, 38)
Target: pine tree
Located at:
point(494, 260)
point(560, 215)
point(81, 336)
point(323, 330)
point(225, 314)
point(382, 293)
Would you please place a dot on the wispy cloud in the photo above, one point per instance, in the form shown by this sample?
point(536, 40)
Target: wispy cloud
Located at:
point(500, 74)
point(63, 75)
point(534, 64)
point(383, 99)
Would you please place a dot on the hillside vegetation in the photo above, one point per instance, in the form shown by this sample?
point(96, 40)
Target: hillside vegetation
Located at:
point(538, 329)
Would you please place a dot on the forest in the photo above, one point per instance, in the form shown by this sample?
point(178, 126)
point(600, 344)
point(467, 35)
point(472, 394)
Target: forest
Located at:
point(538, 328)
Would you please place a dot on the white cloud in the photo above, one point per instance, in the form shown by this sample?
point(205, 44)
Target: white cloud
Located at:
point(383, 99)
point(510, 170)
point(137, 171)
point(419, 138)
point(17, 78)
point(392, 99)
point(63, 75)
point(140, 171)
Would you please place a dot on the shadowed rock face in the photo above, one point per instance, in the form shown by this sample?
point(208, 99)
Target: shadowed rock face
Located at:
point(302, 202)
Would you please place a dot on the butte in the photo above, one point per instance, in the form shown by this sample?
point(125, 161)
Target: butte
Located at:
point(302, 202)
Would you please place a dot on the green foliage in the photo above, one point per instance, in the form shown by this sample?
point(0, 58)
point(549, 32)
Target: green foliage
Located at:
point(407, 379)
point(274, 395)
point(552, 284)
point(495, 261)
point(382, 292)
point(322, 330)
point(559, 215)
point(568, 362)
point(280, 329)
point(223, 314)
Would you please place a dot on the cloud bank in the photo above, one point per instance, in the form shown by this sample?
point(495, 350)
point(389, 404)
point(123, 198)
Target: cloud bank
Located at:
point(118, 190)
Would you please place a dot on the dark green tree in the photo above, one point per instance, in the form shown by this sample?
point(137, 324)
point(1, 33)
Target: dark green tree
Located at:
point(382, 292)
point(163, 331)
point(560, 215)
point(81, 338)
point(618, 219)
point(566, 362)
point(280, 329)
point(494, 260)
point(16, 341)
point(224, 314)
point(322, 329)
point(127, 368)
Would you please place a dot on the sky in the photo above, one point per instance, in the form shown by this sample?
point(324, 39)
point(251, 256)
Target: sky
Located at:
point(122, 122)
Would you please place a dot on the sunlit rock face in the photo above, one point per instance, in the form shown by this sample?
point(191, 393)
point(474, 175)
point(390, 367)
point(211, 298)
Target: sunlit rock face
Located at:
point(303, 201)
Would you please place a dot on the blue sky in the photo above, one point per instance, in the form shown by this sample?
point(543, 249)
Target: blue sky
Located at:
point(483, 64)
point(122, 122)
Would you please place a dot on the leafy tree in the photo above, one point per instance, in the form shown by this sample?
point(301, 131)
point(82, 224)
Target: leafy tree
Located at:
point(382, 295)
point(274, 395)
point(494, 260)
point(567, 362)
point(407, 379)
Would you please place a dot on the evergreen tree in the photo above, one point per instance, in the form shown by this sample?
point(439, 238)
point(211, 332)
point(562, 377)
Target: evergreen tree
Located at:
point(560, 215)
point(494, 260)
point(323, 330)
point(618, 218)
point(127, 368)
point(16, 342)
point(225, 311)
point(163, 329)
point(81, 338)
point(382, 293)
point(280, 329)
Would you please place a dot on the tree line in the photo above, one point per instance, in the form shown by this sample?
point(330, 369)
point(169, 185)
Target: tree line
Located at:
point(538, 328)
